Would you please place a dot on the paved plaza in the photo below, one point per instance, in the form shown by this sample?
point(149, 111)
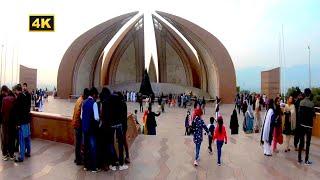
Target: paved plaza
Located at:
point(169, 155)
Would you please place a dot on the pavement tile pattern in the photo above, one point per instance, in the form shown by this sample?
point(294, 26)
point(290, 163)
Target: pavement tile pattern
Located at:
point(169, 155)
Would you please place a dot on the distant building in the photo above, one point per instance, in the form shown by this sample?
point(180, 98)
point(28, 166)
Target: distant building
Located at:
point(29, 76)
point(270, 82)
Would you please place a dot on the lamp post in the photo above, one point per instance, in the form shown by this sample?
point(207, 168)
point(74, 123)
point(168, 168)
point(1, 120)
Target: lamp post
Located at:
point(309, 68)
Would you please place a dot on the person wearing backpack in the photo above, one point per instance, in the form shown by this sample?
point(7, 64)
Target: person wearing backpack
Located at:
point(211, 132)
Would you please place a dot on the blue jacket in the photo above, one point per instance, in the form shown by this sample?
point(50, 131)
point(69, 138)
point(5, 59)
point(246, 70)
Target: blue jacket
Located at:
point(198, 130)
point(88, 122)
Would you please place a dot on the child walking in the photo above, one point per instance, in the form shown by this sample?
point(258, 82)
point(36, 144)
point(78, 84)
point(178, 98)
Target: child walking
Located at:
point(211, 132)
point(186, 124)
point(220, 135)
point(198, 126)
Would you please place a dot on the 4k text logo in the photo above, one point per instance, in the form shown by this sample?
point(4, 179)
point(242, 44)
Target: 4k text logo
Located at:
point(41, 23)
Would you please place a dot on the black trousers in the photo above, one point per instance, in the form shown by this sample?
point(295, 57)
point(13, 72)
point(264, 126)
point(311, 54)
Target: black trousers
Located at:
point(210, 143)
point(308, 133)
point(296, 137)
point(78, 144)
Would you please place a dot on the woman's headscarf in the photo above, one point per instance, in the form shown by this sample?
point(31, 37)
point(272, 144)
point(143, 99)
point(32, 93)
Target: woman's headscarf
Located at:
point(250, 111)
point(198, 112)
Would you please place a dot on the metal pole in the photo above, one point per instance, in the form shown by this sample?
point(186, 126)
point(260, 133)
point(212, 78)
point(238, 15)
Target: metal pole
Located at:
point(18, 69)
point(284, 65)
point(5, 65)
point(309, 68)
point(12, 69)
point(1, 64)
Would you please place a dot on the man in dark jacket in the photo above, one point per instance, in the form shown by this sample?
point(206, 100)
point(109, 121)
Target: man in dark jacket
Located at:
point(124, 121)
point(8, 128)
point(306, 113)
point(151, 122)
point(296, 132)
point(22, 109)
point(116, 115)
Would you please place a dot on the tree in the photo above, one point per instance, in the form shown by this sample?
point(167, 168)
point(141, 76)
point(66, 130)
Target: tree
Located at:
point(145, 87)
point(238, 89)
point(316, 96)
point(293, 91)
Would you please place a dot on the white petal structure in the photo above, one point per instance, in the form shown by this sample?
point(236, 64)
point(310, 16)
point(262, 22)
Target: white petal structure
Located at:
point(179, 56)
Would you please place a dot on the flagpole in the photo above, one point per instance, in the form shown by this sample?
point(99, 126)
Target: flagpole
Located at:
point(284, 64)
point(1, 64)
point(17, 74)
point(5, 65)
point(309, 68)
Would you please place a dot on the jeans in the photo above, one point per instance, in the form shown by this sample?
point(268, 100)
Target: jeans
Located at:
point(90, 158)
point(197, 151)
point(78, 143)
point(210, 143)
point(24, 144)
point(219, 147)
point(305, 132)
point(119, 135)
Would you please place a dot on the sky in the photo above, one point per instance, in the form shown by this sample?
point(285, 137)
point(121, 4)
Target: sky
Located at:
point(249, 29)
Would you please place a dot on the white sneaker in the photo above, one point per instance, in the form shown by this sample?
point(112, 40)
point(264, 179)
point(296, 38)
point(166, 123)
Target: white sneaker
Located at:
point(5, 158)
point(113, 168)
point(195, 163)
point(123, 167)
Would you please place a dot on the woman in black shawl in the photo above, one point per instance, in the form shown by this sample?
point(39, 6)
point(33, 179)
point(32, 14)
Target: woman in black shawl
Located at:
point(234, 124)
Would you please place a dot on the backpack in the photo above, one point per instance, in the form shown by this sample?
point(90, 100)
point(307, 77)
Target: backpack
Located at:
point(211, 129)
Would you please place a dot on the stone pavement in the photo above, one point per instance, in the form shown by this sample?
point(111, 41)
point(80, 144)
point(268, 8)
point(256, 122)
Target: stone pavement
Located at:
point(170, 155)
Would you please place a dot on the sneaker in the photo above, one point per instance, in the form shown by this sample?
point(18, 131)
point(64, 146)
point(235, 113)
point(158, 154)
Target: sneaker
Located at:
point(308, 163)
point(113, 168)
point(12, 158)
point(18, 160)
point(5, 158)
point(123, 167)
point(27, 155)
point(300, 162)
point(94, 171)
point(219, 164)
point(85, 169)
point(195, 163)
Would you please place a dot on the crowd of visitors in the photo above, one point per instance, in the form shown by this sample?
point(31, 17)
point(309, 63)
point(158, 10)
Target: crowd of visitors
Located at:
point(298, 115)
point(15, 118)
point(100, 122)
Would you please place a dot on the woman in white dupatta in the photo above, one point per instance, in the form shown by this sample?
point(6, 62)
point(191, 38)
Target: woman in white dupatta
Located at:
point(267, 130)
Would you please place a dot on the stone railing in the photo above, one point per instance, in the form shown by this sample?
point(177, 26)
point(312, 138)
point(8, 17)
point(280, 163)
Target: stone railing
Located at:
point(55, 127)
